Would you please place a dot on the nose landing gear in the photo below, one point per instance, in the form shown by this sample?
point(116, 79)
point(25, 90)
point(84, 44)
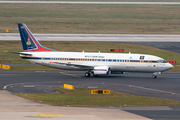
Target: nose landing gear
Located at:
point(154, 76)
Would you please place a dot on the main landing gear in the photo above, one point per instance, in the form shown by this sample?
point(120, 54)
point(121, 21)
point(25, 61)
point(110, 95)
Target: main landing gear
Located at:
point(87, 74)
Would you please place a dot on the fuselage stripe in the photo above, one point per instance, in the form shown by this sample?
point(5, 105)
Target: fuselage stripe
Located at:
point(92, 60)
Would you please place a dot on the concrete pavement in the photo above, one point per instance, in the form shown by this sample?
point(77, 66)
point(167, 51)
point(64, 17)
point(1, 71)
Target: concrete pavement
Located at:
point(13, 107)
point(96, 37)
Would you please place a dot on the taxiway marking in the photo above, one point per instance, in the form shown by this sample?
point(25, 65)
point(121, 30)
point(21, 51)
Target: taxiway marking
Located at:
point(147, 88)
point(70, 74)
point(47, 115)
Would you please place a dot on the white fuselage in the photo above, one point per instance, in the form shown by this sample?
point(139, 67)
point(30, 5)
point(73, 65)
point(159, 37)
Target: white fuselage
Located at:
point(117, 62)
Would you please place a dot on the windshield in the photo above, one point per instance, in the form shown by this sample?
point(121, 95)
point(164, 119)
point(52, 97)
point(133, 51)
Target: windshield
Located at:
point(162, 61)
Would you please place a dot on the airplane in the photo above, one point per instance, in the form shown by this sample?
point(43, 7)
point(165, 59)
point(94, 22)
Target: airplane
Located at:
point(94, 63)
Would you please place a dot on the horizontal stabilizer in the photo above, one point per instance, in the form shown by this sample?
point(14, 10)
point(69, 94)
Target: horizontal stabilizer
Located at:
point(20, 53)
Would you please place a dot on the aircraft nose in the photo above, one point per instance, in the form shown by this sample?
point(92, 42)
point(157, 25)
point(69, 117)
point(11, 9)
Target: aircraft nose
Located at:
point(169, 66)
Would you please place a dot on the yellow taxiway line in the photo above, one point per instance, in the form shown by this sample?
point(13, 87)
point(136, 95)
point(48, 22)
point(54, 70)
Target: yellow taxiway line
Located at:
point(70, 74)
point(47, 115)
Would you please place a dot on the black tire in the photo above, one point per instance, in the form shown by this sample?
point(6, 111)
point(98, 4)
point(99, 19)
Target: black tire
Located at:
point(87, 74)
point(154, 76)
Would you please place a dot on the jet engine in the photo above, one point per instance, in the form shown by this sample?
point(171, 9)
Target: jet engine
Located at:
point(101, 70)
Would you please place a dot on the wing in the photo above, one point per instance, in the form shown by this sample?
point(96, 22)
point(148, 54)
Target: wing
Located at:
point(75, 65)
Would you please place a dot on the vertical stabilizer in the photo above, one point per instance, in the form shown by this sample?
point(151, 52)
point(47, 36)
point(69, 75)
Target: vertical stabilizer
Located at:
point(29, 42)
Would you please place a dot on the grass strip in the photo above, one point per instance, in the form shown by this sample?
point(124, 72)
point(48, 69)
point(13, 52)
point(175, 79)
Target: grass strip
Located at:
point(91, 19)
point(108, 0)
point(83, 97)
point(32, 68)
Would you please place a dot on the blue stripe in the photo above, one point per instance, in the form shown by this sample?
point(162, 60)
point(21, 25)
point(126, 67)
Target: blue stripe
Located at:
point(78, 59)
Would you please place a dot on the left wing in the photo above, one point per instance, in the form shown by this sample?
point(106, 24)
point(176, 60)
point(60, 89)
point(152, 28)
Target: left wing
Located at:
point(75, 65)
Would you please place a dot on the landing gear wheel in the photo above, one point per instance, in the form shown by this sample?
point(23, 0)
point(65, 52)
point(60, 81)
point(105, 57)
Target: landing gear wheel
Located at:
point(87, 74)
point(154, 76)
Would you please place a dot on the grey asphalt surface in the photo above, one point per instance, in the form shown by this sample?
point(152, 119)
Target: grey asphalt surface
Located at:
point(165, 86)
point(91, 2)
point(96, 37)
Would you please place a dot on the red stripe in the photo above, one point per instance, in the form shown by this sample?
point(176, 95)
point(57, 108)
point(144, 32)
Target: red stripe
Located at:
point(100, 69)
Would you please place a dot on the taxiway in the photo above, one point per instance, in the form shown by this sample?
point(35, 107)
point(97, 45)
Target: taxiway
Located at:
point(165, 86)
point(93, 2)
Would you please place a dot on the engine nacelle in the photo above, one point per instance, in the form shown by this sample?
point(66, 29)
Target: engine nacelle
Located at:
point(102, 70)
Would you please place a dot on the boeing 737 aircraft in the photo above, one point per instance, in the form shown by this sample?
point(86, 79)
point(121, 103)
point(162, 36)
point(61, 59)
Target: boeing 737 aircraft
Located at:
point(95, 63)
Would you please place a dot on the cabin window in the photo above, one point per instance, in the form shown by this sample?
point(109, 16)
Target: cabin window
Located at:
point(162, 61)
point(134, 60)
point(71, 59)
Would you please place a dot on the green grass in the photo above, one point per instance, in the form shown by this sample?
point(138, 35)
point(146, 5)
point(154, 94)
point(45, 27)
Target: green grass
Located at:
point(108, 0)
point(9, 58)
point(176, 68)
point(83, 97)
point(32, 68)
point(87, 18)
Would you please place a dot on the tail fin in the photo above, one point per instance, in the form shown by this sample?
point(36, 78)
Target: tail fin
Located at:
point(29, 42)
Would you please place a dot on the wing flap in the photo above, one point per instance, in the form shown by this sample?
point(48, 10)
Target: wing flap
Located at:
point(74, 65)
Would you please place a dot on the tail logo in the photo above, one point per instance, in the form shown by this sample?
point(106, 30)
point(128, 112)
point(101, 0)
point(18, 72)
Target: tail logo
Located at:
point(28, 41)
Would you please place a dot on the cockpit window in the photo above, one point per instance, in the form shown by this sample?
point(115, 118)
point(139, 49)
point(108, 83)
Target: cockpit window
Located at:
point(162, 61)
